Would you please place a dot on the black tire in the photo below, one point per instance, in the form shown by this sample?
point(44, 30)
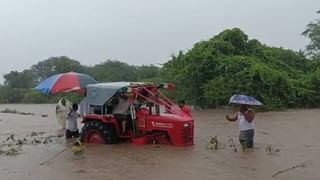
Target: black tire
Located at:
point(105, 130)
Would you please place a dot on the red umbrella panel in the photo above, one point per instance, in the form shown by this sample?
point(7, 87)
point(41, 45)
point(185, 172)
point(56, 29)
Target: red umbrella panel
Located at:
point(65, 82)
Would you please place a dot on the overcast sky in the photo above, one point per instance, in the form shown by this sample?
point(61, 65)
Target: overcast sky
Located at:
point(139, 31)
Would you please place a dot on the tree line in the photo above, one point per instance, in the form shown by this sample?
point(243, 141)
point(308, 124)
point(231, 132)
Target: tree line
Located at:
point(205, 76)
point(231, 63)
point(18, 86)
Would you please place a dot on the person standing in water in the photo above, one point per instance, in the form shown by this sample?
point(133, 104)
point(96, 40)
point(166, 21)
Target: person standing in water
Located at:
point(246, 126)
point(184, 108)
point(62, 109)
point(72, 123)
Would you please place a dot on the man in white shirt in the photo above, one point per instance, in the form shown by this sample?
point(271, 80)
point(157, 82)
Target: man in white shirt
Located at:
point(120, 111)
point(245, 117)
point(122, 106)
point(72, 124)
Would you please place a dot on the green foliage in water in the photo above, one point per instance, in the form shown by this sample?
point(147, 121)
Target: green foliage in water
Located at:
point(212, 71)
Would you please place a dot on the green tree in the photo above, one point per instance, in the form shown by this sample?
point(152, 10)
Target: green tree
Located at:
point(56, 65)
point(24, 79)
point(113, 71)
point(11, 95)
point(147, 73)
point(209, 73)
point(312, 32)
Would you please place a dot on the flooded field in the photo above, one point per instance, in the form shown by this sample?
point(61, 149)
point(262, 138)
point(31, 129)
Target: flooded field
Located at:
point(283, 140)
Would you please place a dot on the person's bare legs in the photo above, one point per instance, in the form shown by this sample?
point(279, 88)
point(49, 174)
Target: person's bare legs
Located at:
point(124, 123)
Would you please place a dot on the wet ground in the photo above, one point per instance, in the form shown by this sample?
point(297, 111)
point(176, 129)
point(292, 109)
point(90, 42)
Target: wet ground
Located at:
point(294, 133)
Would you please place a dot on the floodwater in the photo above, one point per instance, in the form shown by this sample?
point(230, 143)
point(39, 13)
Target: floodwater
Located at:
point(295, 133)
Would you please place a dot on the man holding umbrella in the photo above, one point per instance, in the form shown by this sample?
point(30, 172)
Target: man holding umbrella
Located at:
point(245, 116)
point(65, 83)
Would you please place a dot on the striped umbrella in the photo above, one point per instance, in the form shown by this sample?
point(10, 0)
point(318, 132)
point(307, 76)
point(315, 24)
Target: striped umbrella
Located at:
point(243, 99)
point(65, 82)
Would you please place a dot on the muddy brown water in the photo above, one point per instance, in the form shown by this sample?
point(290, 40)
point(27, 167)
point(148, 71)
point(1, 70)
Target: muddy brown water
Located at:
point(295, 133)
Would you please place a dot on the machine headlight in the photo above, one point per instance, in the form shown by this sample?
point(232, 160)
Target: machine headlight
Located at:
point(186, 125)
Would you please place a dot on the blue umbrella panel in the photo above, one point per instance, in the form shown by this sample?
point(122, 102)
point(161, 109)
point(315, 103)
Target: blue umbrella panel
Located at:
point(243, 99)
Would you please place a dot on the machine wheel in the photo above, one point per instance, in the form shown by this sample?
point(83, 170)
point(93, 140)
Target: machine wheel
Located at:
point(161, 138)
point(95, 132)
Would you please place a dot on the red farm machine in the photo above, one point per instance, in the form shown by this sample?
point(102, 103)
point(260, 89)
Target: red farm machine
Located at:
point(150, 116)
